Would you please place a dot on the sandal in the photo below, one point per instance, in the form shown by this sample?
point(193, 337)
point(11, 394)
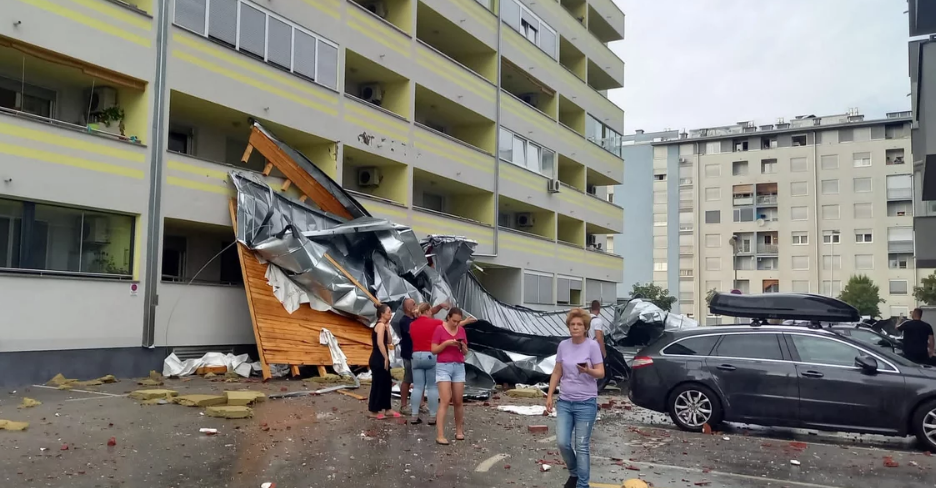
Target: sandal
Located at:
point(442, 442)
point(432, 422)
point(379, 416)
point(460, 437)
point(396, 415)
point(416, 421)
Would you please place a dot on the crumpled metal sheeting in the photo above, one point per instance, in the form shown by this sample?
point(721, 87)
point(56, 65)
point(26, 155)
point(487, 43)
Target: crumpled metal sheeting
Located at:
point(639, 322)
point(471, 295)
point(390, 287)
point(347, 201)
point(453, 254)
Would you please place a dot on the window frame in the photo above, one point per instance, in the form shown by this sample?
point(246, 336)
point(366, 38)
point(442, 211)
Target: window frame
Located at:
point(803, 237)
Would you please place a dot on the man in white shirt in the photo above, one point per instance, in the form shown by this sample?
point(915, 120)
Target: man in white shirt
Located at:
point(598, 326)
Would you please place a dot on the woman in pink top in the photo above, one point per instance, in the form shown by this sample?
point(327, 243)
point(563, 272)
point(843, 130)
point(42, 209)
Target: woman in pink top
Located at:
point(450, 344)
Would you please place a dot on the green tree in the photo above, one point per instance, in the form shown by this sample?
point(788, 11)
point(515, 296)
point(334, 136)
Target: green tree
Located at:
point(653, 293)
point(709, 295)
point(926, 292)
point(861, 293)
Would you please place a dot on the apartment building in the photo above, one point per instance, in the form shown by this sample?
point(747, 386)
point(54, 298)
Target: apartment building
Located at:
point(120, 120)
point(795, 206)
point(922, 50)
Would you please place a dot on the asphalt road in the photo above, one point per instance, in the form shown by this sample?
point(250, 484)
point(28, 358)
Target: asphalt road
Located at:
point(326, 441)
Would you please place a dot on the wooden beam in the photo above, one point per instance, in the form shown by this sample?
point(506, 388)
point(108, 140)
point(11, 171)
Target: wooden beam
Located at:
point(294, 370)
point(247, 152)
point(352, 395)
point(322, 371)
point(242, 255)
point(267, 169)
point(287, 184)
point(348, 276)
point(303, 198)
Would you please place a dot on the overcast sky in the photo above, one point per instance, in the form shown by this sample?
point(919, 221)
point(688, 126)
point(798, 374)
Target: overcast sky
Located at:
point(704, 63)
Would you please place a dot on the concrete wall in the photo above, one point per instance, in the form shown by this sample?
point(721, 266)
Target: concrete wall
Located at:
point(636, 242)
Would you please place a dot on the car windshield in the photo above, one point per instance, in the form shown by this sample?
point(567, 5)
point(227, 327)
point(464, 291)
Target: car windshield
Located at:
point(890, 356)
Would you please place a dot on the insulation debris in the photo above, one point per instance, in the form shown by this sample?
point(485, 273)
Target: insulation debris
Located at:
point(229, 412)
point(200, 400)
point(59, 380)
point(525, 393)
point(242, 398)
point(11, 425)
point(149, 382)
point(327, 379)
point(175, 367)
point(29, 403)
point(153, 394)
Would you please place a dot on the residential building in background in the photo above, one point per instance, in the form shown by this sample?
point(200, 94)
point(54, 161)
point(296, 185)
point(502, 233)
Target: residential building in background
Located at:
point(922, 16)
point(119, 123)
point(796, 206)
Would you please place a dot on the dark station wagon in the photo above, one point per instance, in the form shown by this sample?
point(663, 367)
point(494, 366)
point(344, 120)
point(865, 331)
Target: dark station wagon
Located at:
point(785, 376)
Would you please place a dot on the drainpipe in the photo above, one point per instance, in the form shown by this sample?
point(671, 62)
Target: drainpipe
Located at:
point(816, 216)
point(157, 142)
point(497, 123)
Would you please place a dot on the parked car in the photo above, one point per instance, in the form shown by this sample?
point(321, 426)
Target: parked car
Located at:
point(785, 376)
point(868, 336)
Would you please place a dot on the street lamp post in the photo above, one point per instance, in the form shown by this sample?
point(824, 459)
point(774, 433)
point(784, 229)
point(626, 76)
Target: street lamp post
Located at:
point(733, 241)
point(834, 234)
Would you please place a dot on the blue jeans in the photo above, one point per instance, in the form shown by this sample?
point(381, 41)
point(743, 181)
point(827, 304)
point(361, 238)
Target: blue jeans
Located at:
point(580, 418)
point(424, 379)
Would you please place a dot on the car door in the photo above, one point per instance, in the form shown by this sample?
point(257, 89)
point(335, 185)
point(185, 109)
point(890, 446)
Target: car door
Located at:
point(755, 380)
point(835, 394)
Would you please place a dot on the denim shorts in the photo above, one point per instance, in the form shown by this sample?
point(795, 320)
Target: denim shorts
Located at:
point(454, 372)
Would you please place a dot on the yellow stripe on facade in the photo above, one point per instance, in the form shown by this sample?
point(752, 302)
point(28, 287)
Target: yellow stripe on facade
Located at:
point(471, 7)
point(520, 177)
point(373, 33)
point(321, 5)
point(448, 155)
point(442, 143)
point(381, 209)
point(458, 75)
point(241, 62)
point(91, 22)
point(377, 128)
point(201, 63)
point(378, 116)
point(71, 143)
point(197, 170)
point(57, 158)
point(466, 229)
point(116, 13)
point(196, 185)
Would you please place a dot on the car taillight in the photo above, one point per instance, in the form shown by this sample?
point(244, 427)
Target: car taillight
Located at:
point(641, 361)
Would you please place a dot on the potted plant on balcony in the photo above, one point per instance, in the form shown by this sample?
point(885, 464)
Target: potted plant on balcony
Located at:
point(107, 117)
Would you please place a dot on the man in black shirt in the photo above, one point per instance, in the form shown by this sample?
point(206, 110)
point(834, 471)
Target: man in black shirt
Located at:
point(918, 344)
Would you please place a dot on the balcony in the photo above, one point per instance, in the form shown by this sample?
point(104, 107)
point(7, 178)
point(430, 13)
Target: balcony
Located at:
point(894, 157)
point(900, 246)
point(437, 113)
point(578, 9)
point(441, 195)
point(572, 173)
point(529, 90)
point(571, 231)
point(605, 21)
point(375, 176)
point(527, 219)
point(449, 39)
point(743, 199)
point(452, 158)
point(767, 264)
point(426, 222)
point(398, 13)
point(766, 200)
point(519, 249)
point(572, 59)
point(375, 85)
point(571, 115)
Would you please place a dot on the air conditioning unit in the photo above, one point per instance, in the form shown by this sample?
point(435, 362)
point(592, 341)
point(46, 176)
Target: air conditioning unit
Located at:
point(529, 98)
point(98, 230)
point(372, 93)
point(552, 186)
point(368, 177)
point(524, 219)
point(377, 8)
point(101, 98)
point(683, 160)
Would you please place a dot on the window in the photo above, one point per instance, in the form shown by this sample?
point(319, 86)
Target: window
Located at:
point(899, 261)
point(743, 214)
point(829, 161)
point(686, 220)
point(713, 216)
point(538, 289)
point(266, 36)
point(16, 95)
point(831, 212)
point(861, 159)
point(659, 152)
point(799, 140)
point(433, 201)
point(899, 187)
point(898, 287)
point(40, 237)
point(712, 194)
point(660, 177)
point(819, 350)
point(800, 286)
point(800, 262)
point(693, 346)
point(521, 152)
point(713, 147)
point(713, 264)
point(830, 187)
point(831, 237)
point(864, 211)
point(523, 20)
point(659, 242)
point(864, 261)
point(659, 220)
point(862, 185)
point(798, 213)
point(180, 140)
point(173, 258)
point(798, 165)
point(768, 166)
point(659, 265)
point(863, 236)
point(749, 346)
point(846, 135)
point(799, 188)
point(833, 262)
point(712, 240)
point(712, 170)
point(832, 288)
point(568, 290)
point(800, 238)
point(739, 168)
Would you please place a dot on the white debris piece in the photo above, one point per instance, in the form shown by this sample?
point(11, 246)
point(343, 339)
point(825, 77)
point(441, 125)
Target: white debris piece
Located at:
point(534, 410)
point(207, 431)
point(794, 462)
point(173, 366)
point(545, 467)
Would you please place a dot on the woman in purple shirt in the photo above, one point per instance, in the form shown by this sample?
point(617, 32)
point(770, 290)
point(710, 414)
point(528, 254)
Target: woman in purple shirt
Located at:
point(579, 366)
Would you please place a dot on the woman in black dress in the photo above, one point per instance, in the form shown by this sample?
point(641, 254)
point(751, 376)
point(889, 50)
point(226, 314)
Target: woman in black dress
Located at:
point(379, 363)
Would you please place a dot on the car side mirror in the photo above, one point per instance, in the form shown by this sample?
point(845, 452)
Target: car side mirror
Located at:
point(867, 364)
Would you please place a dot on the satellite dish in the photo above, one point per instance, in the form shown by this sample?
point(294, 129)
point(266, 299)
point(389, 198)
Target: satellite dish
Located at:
point(761, 222)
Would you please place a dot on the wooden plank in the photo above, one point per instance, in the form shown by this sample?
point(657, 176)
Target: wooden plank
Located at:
point(352, 395)
point(351, 278)
point(322, 371)
point(303, 198)
point(247, 152)
point(241, 255)
point(267, 169)
point(294, 370)
point(287, 184)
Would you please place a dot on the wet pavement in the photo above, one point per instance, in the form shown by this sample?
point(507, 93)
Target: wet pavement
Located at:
point(326, 441)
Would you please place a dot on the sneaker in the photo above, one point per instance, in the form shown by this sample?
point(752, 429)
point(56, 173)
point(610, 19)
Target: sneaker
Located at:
point(571, 482)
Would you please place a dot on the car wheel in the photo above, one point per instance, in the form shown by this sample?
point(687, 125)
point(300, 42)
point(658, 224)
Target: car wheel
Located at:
point(924, 424)
point(691, 406)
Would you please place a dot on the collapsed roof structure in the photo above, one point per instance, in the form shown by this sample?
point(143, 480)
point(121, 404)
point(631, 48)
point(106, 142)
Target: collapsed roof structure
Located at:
point(323, 262)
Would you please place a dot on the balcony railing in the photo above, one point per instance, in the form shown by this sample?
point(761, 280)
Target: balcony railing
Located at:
point(767, 249)
point(899, 246)
point(740, 201)
point(767, 200)
point(685, 205)
point(899, 194)
point(685, 249)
